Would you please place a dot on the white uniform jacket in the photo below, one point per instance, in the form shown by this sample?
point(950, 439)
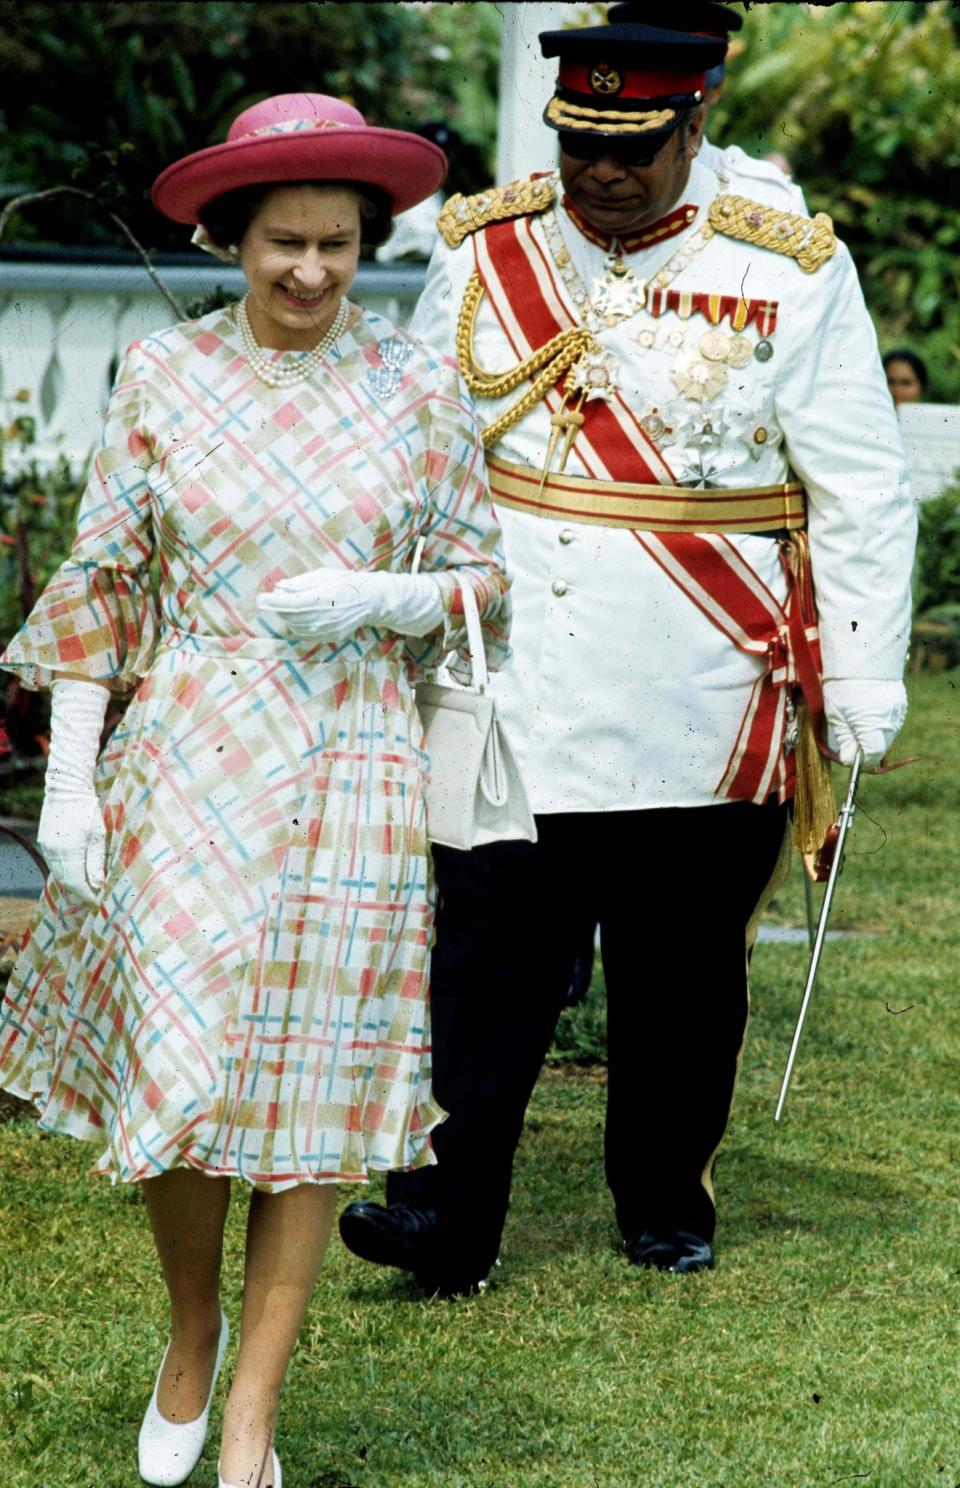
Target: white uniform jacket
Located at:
point(621, 694)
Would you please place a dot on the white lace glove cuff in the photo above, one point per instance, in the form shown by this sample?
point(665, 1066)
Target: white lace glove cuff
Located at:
point(868, 715)
point(332, 605)
point(71, 834)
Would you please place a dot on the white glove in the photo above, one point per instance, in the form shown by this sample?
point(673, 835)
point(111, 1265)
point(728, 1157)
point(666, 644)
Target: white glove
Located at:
point(865, 714)
point(71, 834)
point(332, 604)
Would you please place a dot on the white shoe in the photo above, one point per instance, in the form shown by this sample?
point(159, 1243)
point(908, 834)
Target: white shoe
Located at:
point(168, 1451)
point(277, 1474)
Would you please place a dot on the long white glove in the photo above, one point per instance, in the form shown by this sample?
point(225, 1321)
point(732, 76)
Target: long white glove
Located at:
point(868, 714)
point(332, 604)
point(71, 834)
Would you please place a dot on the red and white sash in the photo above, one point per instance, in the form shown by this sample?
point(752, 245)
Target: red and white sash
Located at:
point(532, 305)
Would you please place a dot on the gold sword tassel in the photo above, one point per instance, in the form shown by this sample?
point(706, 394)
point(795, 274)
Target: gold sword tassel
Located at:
point(567, 421)
point(573, 420)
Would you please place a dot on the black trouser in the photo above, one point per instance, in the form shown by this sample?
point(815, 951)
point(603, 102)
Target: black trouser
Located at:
point(672, 891)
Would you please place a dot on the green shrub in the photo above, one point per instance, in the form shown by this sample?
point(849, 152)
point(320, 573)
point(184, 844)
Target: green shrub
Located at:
point(937, 574)
point(581, 1036)
point(39, 495)
point(854, 95)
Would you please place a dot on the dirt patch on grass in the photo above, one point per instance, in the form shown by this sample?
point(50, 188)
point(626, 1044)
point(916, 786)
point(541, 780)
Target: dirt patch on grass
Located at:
point(588, 1074)
point(14, 1109)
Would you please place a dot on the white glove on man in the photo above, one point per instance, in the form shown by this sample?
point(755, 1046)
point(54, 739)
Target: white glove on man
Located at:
point(865, 714)
point(71, 834)
point(332, 604)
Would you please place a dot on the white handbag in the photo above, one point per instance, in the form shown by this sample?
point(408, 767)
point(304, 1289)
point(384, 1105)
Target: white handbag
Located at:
point(476, 793)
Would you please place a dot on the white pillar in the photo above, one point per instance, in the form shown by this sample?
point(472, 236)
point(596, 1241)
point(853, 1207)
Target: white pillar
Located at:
point(527, 80)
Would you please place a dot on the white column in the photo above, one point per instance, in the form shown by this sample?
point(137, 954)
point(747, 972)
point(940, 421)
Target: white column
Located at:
point(527, 80)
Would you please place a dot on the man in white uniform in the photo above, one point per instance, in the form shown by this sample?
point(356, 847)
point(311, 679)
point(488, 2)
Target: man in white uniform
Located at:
point(684, 412)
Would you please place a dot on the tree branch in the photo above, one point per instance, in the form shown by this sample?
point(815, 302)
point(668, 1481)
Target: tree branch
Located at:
point(19, 202)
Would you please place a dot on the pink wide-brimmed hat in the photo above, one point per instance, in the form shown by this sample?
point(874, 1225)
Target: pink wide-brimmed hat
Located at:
point(301, 137)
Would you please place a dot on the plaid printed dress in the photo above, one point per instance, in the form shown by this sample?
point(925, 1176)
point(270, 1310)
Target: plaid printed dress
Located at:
point(249, 995)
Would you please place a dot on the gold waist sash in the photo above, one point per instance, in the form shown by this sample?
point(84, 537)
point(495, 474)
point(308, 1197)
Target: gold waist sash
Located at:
point(574, 498)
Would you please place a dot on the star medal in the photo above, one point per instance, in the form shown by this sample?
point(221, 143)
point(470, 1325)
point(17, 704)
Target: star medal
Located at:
point(699, 380)
point(619, 298)
point(594, 375)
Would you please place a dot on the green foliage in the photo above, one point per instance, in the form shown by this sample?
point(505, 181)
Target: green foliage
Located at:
point(860, 97)
point(937, 573)
point(581, 1035)
point(104, 95)
point(39, 495)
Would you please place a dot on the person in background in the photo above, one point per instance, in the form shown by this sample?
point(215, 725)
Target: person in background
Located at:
point(764, 177)
point(227, 975)
point(685, 414)
point(414, 233)
point(906, 376)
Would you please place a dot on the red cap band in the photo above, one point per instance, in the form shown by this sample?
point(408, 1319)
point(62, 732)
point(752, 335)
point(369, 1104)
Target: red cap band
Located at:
point(636, 84)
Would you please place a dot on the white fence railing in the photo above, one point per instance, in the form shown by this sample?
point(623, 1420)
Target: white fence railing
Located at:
point(63, 325)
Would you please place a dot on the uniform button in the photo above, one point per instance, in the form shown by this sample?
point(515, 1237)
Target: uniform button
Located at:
point(565, 535)
point(559, 587)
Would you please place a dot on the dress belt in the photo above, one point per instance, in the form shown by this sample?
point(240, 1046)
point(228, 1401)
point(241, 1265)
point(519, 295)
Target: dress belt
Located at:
point(344, 655)
point(574, 498)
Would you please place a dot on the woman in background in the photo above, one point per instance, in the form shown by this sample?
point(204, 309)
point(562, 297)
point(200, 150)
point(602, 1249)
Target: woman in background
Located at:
point(906, 376)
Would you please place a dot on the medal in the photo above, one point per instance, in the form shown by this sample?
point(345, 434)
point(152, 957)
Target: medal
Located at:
point(764, 351)
point(595, 376)
point(698, 380)
point(715, 346)
point(654, 426)
point(740, 353)
point(619, 297)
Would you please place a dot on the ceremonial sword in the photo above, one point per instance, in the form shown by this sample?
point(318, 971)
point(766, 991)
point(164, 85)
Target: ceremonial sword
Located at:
point(840, 829)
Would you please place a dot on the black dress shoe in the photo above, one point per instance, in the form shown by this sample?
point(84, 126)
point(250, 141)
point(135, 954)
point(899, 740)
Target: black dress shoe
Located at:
point(678, 1250)
point(394, 1235)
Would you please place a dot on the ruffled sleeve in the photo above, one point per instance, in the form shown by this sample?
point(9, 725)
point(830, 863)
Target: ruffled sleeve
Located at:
point(97, 617)
point(462, 537)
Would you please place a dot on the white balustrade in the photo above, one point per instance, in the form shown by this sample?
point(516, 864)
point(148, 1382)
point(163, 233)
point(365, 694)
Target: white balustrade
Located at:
point(63, 325)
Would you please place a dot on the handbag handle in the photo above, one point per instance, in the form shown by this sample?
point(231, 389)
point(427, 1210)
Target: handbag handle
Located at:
point(479, 676)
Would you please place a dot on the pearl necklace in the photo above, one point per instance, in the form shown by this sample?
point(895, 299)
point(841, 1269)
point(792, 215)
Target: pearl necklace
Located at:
point(280, 374)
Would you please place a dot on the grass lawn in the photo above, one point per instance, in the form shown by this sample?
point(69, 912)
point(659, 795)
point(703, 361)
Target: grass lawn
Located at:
point(824, 1349)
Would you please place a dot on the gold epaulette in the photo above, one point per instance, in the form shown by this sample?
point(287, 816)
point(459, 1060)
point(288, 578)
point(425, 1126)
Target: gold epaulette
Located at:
point(810, 240)
point(463, 215)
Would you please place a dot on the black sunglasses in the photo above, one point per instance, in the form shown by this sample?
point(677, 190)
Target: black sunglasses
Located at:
point(624, 152)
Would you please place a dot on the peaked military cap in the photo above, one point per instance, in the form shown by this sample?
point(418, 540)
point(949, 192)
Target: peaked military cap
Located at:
point(627, 81)
point(701, 17)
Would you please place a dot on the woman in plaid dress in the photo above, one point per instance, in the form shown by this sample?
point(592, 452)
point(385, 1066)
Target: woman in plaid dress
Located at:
point(226, 976)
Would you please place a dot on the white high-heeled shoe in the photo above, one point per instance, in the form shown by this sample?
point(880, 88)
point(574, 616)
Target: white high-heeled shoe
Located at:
point(168, 1451)
point(277, 1474)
